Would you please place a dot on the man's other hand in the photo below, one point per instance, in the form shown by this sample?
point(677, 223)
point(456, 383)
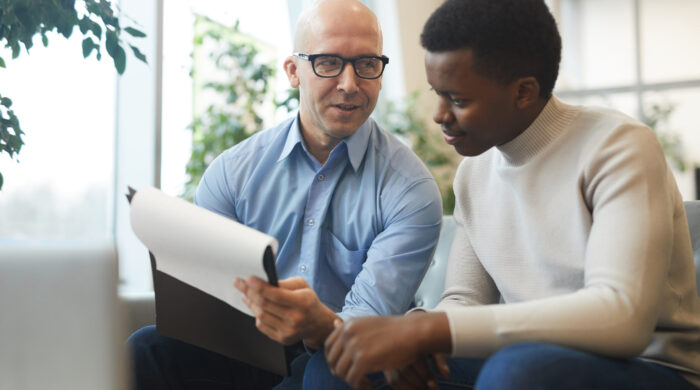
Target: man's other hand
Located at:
point(364, 345)
point(288, 313)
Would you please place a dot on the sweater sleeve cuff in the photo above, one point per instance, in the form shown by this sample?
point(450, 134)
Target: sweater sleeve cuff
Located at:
point(416, 310)
point(473, 331)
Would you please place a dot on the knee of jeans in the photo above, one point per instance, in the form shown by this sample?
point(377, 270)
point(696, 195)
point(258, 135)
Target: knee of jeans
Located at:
point(317, 366)
point(515, 366)
point(142, 338)
point(318, 375)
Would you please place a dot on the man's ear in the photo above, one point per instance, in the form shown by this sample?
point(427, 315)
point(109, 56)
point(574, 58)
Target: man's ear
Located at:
point(527, 91)
point(290, 68)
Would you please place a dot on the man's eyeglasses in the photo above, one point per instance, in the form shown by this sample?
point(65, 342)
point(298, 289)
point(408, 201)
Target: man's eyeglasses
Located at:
point(331, 65)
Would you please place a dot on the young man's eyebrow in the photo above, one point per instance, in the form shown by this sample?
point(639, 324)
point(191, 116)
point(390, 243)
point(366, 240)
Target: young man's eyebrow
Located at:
point(443, 91)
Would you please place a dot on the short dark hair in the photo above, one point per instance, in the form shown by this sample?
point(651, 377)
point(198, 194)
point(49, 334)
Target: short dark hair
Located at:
point(508, 38)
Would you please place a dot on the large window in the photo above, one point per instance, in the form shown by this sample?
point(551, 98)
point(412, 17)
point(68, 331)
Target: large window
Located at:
point(90, 134)
point(641, 57)
point(267, 22)
point(86, 132)
point(61, 189)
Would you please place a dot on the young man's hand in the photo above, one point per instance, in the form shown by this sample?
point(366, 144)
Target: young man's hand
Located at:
point(418, 375)
point(370, 344)
point(288, 313)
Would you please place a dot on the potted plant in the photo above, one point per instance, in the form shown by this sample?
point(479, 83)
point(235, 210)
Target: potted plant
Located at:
point(22, 20)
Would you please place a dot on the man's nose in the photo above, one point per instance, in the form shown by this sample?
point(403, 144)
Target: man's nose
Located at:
point(347, 79)
point(442, 112)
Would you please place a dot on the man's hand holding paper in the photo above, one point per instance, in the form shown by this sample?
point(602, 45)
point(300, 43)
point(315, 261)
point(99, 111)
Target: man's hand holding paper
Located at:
point(288, 313)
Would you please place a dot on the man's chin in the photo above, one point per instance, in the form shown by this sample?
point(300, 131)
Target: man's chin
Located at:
point(342, 132)
point(469, 150)
point(346, 127)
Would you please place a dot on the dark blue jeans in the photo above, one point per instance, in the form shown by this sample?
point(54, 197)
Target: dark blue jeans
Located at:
point(162, 363)
point(533, 366)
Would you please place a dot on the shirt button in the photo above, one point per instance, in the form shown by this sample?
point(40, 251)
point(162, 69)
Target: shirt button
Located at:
point(302, 268)
point(310, 222)
point(321, 178)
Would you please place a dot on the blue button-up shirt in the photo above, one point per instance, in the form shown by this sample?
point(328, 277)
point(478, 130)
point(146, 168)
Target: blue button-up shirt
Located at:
point(360, 229)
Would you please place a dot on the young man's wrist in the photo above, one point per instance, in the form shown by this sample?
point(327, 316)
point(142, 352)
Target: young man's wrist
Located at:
point(326, 326)
point(432, 332)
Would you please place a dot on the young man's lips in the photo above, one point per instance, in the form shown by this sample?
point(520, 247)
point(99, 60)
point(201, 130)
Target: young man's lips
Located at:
point(450, 137)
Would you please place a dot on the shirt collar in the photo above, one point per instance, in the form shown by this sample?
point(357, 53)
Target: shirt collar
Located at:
point(293, 138)
point(356, 143)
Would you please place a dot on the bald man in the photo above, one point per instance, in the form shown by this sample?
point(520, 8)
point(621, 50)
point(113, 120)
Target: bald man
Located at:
point(356, 214)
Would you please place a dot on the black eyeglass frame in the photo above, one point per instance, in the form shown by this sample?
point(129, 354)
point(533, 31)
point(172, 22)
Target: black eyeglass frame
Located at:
point(312, 57)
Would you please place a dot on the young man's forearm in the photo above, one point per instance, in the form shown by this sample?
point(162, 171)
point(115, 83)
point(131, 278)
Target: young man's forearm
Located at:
point(432, 332)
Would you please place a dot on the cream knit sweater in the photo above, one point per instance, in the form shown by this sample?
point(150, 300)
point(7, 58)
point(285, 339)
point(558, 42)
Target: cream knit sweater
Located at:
point(578, 225)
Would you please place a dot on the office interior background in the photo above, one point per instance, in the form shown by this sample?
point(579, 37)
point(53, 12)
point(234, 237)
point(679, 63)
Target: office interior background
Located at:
point(91, 133)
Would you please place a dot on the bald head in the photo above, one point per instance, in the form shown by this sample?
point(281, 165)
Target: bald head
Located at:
point(325, 16)
point(333, 108)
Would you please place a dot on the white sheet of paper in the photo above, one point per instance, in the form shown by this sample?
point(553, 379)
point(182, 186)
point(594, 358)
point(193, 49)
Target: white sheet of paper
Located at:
point(197, 246)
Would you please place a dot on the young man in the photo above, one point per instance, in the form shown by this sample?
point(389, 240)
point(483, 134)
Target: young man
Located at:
point(357, 215)
point(568, 215)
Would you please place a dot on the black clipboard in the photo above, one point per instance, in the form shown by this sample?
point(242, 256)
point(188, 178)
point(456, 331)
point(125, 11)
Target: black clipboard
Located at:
point(188, 314)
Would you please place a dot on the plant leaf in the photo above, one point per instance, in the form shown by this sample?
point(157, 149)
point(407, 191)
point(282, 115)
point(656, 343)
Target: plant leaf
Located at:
point(134, 32)
point(83, 24)
point(88, 46)
point(6, 102)
point(112, 43)
point(96, 29)
point(86, 24)
point(120, 60)
point(24, 15)
point(2, 63)
point(15, 49)
point(138, 54)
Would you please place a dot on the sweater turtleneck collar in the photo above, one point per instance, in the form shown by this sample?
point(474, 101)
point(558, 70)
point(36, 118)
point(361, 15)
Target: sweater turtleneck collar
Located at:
point(548, 125)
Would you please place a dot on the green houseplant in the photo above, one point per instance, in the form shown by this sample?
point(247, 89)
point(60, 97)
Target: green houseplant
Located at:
point(23, 20)
point(230, 96)
point(402, 118)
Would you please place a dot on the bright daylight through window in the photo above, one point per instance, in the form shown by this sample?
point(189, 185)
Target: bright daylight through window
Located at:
point(61, 189)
